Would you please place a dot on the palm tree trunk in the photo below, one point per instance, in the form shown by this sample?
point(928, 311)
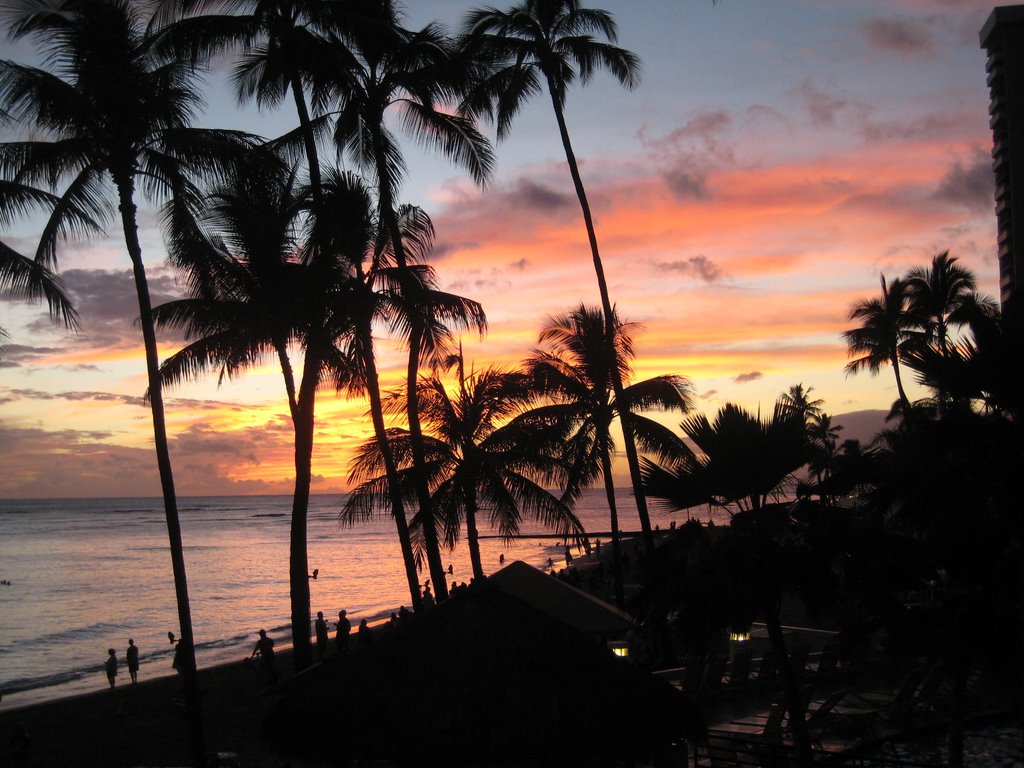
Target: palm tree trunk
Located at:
point(632, 458)
point(193, 705)
point(288, 373)
point(609, 490)
point(790, 685)
point(430, 542)
point(390, 468)
point(390, 220)
point(308, 139)
point(298, 561)
point(472, 537)
point(904, 400)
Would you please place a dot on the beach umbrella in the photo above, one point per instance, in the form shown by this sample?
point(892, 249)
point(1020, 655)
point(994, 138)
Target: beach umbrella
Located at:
point(483, 679)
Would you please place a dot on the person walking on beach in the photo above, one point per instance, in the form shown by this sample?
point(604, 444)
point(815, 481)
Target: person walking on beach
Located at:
point(264, 650)
point(321, 636)
point(110, 665)
point(343, 630)
point(132, 656)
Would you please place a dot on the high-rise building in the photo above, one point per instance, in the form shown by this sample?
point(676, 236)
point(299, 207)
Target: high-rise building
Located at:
point(1003, 37)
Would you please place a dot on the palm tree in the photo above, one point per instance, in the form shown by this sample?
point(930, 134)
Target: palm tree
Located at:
point(799, 399)
point(381, 293)
point(119, 117)
point(413, 73)
point(474, 463)
point(886, 331)
point(33, 279)
point(261, 284)
point(746, 463)
point(742, 461)
point(575, 371)
point(941, 296)
point(551, 43)
point(287, 47)
point(824, 441)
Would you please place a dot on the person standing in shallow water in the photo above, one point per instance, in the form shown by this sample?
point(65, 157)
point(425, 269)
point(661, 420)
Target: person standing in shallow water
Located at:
point(110, 665)
point(132, 656)
point(321, 636)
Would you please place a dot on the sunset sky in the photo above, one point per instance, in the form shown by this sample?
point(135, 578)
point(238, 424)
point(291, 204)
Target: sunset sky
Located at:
point(776, 158)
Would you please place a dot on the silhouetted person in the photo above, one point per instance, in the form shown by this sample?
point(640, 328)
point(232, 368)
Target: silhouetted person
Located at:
point(450, 569)
point(344, 629)
point(132, 656)
point(404, 614)
point(316, 572)
point(264, 651)
point(21, 745)
point(428, 597)
point(321, 635)
point(110, 665)
point(365, 634)
point(568, 556)
point(501, 559)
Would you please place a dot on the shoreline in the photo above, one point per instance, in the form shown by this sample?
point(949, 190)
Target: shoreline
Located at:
point(143, 724)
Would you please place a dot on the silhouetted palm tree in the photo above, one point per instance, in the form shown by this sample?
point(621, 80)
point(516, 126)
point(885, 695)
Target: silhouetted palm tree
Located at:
point(383, 289)
point(982, 368)
point(824, 439)
point(742, 461)
point(551, 43)
point(262, 284)
point(474, 463)
point(412, 73)
point(886, 330)
point(746, 463)
point(799, 399)
point(284, 46)
point(32, 279)
point(117, 118)
point(941, 296)
point(574, 370)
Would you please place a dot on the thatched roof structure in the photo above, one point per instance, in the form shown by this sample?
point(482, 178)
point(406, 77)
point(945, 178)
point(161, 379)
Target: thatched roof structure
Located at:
point(580, 610)
point(485, 680)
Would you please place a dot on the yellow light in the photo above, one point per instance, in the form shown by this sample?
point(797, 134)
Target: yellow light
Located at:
point(619, 648)
point(739, 637)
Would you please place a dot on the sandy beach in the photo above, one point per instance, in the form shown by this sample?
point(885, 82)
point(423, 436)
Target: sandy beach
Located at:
point(142, 725)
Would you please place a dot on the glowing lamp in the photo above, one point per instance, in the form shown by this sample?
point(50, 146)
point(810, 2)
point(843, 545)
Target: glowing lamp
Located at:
point(619, 648)
point(740, 637)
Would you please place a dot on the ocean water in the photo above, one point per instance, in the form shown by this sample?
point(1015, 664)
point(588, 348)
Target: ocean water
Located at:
point(87, 574)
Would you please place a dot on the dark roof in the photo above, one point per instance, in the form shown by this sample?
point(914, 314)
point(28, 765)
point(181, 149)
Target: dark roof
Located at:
point(580, 610)
point(483, 679)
